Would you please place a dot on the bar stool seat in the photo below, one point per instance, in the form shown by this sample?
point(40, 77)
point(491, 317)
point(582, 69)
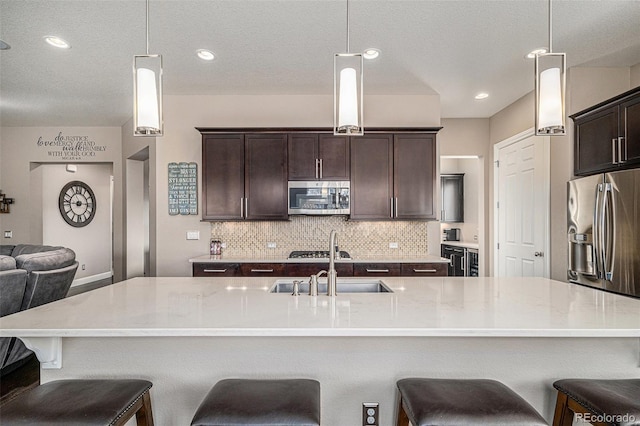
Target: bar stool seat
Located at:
point(434, 402)
point(260, 402)
point(81, 403)
point(606, 401)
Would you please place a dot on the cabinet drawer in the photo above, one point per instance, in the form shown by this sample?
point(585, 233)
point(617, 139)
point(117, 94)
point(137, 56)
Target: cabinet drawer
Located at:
point(216, 269)
point(424, 270)
point(261, 269)
point(306, 269)
point(376, 270)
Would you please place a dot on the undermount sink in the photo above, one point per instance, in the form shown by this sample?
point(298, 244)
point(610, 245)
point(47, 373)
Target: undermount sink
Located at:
point(344, 285)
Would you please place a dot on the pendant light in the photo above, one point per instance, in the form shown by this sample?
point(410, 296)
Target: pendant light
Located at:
point(550, 69)
point(147, 92)
point(347, 91)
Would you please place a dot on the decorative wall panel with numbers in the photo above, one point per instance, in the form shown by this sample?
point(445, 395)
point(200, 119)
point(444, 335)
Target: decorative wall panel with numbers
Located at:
point(183, 188)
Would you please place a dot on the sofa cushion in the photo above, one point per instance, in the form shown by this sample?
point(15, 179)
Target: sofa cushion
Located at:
point(6, 249)
point(31, 248)
point(46, 260)
point(7, 263)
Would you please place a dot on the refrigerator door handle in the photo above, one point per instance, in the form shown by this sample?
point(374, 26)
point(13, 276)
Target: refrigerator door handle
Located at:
point(608, 231)
point(597, 246)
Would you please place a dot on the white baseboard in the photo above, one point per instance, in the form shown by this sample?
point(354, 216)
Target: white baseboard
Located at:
point(92, 278)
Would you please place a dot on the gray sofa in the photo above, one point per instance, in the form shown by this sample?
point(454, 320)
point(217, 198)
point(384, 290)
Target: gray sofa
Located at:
point(30, 276)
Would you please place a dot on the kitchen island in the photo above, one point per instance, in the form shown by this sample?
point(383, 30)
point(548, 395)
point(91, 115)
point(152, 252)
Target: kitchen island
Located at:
point(184, 334)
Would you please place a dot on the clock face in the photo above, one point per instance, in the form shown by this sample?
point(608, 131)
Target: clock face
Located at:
point(77, 204)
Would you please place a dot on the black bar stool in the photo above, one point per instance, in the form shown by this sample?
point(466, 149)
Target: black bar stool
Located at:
point(462, 402)
point(81, 402)
point(599, 402)
point(260, 402)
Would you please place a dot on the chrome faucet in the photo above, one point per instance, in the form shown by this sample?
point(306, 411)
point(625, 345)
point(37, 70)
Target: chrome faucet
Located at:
point(331, 273)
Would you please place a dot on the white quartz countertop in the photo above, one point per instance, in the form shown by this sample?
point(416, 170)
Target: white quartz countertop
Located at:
point(282, 259)
point(435, 306)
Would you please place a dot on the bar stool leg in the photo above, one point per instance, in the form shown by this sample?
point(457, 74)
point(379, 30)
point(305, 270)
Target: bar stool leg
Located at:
point(563, 416)
point(142, 411)
point(403, 420)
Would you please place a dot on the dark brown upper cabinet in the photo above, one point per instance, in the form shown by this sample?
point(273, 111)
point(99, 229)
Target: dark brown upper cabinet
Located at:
point(244, 177)
point(393, 176)
point(607, 135)
point(318, 157)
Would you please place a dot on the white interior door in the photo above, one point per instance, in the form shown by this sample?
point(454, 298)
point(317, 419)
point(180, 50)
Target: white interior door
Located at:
point(522, 206)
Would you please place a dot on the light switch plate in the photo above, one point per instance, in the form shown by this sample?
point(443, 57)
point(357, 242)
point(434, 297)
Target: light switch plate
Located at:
point(193, 235)
point(8, 234)
point(271, 245)
point(393, 245)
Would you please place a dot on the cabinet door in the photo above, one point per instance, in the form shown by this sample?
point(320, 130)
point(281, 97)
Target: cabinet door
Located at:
point(222, 177)
point(424, 270)
point(414, 176)
point(376, 270)
point(303, 156)
point(216, 269)
point(452, 188)
point(333, 151)
point(262, 269)
point(630, 146)
point(596, 137)
point(306, 269)
point(371, 177)
point(266, 177)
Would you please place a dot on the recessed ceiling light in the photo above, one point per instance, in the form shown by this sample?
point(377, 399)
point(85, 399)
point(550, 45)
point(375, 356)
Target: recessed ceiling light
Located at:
point(534, 52)
point(205, 54)
point(57, 42)
point(482, 96)
point(371, 53)
point(4, 45)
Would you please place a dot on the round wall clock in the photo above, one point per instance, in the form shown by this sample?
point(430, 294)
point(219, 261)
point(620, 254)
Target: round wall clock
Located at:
point(77, 203)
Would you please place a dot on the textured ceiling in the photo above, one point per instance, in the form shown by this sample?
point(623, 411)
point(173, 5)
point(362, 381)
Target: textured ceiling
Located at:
point(453, 48)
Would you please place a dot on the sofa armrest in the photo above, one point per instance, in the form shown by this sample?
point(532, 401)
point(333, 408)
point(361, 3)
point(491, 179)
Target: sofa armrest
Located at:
point(12, 286)
point(48, 286)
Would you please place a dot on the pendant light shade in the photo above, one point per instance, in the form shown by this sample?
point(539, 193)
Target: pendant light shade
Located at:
point(347, 91)
point(147, 99)
point(550, 71)
point(347, 94)
point(147, 91)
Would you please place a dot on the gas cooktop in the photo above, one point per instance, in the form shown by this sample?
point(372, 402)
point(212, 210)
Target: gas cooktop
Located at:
point(316, 254)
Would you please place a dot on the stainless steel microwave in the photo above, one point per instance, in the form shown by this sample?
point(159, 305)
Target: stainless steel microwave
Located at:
point(319, 197)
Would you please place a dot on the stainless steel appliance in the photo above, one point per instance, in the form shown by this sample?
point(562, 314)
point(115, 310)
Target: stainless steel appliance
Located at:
point(472, 263)
point(452, 234)
point(316, 254)
point(319, 197)
point(603, 225)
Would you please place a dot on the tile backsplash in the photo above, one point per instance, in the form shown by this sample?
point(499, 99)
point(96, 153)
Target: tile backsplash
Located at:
point(250, 239)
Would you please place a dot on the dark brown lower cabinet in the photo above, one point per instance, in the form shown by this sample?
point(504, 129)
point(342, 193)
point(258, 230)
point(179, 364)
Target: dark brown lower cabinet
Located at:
point(424, 270)
point(307, 269)
point(216, 269)
point(262, 269)
point(376, 270)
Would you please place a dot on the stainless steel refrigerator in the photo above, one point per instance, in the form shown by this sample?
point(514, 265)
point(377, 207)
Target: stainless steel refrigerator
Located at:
point(603, 224)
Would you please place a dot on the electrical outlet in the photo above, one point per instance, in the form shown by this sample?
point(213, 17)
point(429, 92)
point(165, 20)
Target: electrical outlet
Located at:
point(8, 234)
point(83, 267)
point(271, 245)
point(370, 414)
point(193, 235)
point(475, 238)
point(393, 245)
point(223, 245)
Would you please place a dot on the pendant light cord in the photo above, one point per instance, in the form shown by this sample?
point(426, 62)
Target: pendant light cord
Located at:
point(147, 27)
point(347, 26)
point(550, 18)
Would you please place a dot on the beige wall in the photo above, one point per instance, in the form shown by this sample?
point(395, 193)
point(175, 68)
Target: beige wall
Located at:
point(585, 87)
point(182, 142)
point(635, 75)
point(20, 148)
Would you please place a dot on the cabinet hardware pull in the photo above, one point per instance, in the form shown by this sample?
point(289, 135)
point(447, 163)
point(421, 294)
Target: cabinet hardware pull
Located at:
point(613, 151)
point(391, 201)
point(427, 271)
point(241, 206)
point(266, 271)
point(371, 271)
point(620, 156)
point(317, 168)
point(221, 271)
point(396, 207)
point(246, 207)
point(321, 168)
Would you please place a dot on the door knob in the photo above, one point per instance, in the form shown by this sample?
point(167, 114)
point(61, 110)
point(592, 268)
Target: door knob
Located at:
point(538, 254)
